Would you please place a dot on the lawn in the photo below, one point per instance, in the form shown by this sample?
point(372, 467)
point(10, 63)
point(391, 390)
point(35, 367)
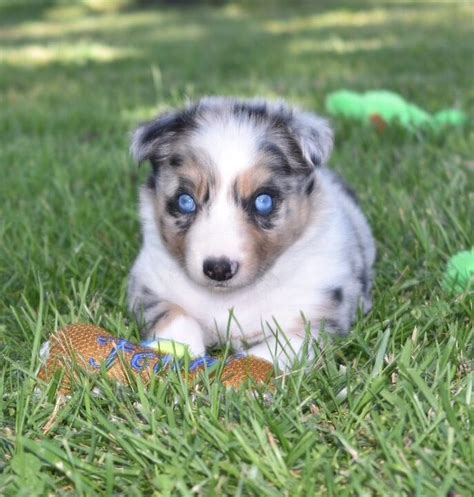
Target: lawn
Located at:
point(387, 411)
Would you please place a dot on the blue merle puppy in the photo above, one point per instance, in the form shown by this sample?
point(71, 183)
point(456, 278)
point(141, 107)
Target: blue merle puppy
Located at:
point(247, 236)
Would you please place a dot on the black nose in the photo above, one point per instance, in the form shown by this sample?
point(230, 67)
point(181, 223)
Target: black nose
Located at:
point(220, 269)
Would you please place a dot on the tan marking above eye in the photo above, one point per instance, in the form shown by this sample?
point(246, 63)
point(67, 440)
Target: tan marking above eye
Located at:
point(198, 171)
point(249, 181)
point(199, 182)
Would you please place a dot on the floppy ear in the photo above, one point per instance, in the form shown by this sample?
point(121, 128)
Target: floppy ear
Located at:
point(314, 135)
point(152, 141)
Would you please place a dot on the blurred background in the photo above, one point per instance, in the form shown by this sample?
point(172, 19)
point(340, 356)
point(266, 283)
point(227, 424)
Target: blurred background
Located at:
point(137, 54)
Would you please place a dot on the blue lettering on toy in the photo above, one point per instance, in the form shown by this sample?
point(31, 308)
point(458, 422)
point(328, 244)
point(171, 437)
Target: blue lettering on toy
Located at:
point(162, 363)
point(94, 363)
point(120, 345)
point(141, 359)
point(206, 361)
point(124, 345)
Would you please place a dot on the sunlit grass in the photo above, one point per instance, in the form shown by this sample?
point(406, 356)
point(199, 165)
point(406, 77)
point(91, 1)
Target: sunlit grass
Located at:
point(338, 45)
point(56, 28)
point(369, 18)
point(77, 53)
point(338, 18)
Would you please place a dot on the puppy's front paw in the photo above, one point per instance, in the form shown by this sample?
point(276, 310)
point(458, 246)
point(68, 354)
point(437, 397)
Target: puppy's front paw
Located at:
point(183, 329)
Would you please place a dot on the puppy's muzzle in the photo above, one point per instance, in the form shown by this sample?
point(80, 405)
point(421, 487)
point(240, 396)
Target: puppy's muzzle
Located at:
point(220, 269)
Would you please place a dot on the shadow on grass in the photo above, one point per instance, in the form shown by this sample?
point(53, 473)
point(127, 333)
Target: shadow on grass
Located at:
point(278, 52)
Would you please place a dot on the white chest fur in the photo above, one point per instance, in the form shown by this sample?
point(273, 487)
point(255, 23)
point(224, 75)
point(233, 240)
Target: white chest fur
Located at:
point(294, 287)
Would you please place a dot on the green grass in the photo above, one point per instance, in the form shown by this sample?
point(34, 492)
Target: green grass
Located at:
point(388, 411)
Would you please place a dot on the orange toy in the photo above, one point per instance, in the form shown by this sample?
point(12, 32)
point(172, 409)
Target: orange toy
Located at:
point(94, 350)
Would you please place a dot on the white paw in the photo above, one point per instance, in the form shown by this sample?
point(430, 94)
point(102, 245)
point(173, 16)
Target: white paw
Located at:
point(183, 329)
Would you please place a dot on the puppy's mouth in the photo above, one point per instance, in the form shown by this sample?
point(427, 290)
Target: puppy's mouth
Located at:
point(221, 286)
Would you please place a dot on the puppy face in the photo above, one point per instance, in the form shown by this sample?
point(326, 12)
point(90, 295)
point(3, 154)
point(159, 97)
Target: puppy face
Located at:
point(233, 185)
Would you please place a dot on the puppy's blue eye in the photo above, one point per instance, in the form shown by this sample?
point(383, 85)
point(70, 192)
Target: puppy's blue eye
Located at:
point(186, 204)
point(264, 204)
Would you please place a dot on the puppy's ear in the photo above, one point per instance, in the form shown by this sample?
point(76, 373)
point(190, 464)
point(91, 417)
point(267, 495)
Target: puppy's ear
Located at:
point(152, 141)
point(314, 135)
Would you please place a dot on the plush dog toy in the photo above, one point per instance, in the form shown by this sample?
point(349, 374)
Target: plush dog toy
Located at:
point(383, 107)
point(95, 350)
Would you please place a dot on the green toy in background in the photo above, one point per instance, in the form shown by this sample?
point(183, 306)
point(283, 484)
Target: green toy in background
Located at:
point(384, 107)
point(459, 275)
